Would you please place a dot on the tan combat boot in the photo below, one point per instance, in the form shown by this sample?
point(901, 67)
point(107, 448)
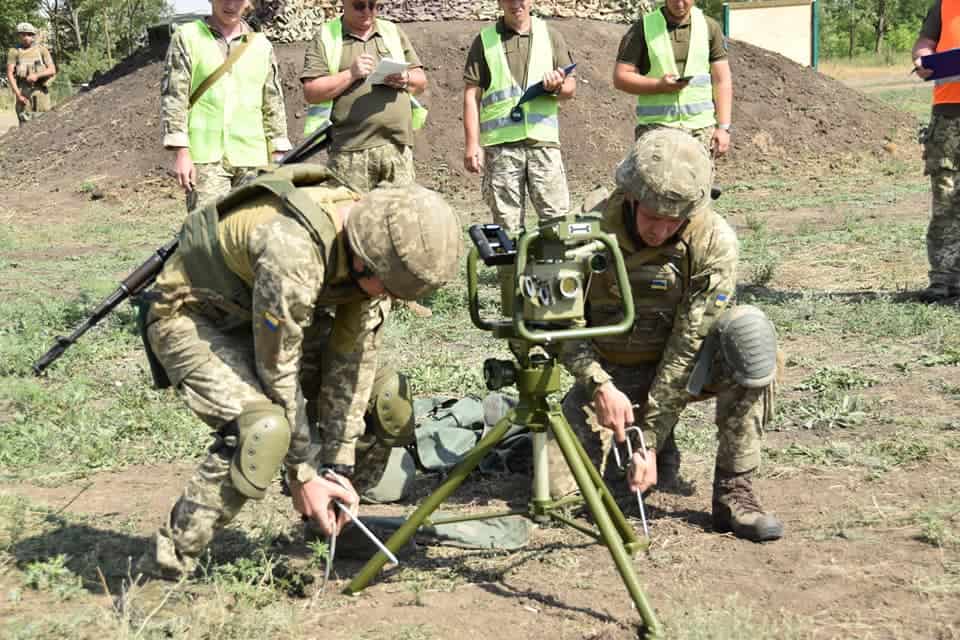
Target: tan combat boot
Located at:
point(736, 509)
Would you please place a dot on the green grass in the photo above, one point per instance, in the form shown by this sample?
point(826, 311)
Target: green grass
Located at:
point(735, 619)
point(915, 100)
point(878, 455)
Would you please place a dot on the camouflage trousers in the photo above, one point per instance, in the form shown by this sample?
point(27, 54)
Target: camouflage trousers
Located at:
point(215, 180)
point(703, 135)
point(516, 170)
point(740, 418)
point(365, 169)
point(941, 153)
point(38, 101)
point(214, 371)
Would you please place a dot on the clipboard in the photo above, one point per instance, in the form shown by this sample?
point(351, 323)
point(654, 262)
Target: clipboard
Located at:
point(944, 64)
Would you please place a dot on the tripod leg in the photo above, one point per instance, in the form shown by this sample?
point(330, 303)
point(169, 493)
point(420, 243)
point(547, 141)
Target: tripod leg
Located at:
point(434, 500)
point(627, 532)
point(609, 533)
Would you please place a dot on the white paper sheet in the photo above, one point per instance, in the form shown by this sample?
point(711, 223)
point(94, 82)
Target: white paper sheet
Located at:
point(385, 68)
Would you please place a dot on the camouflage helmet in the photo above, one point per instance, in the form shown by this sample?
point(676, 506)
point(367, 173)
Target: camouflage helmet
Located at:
point(668, 171)
point(390, 410)
point(408, 236)
point(26, 27)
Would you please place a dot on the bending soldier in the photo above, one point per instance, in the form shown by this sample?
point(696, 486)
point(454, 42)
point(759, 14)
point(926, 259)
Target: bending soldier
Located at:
point(29, 71)
point(687, 343)
point(239, 323)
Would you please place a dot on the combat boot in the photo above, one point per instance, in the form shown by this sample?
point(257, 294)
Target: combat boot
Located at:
point(736, 509)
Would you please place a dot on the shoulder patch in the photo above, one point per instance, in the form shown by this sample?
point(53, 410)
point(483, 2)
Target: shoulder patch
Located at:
point(271, 321)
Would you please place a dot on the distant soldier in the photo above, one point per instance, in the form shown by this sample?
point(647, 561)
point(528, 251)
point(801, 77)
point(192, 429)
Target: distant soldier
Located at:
point(674, 60)
point(29, 71)
point(223, 127)
point(941, 152)
point(687, 342)
point(373, 124)
point(517, 158)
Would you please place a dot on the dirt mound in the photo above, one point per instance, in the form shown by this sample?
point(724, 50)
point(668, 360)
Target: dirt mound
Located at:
point(785, 117)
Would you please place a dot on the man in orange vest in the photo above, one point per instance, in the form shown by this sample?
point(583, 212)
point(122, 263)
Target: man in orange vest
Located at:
point(941, 154)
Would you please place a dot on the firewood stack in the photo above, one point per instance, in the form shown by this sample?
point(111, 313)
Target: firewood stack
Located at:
point(298, 20)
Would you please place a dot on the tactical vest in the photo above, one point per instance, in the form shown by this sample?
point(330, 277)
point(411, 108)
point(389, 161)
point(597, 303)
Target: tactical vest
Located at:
point(201, 251)
point(947, 90)
point(659, 279)
point(691, 107)
point(540, 121)
point(227, 121)
point(29, 61)
point(331, 38)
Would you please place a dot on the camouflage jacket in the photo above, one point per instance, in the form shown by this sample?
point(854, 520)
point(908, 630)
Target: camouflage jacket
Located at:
point(292, 280)
point(679, 290)
point(175, 95)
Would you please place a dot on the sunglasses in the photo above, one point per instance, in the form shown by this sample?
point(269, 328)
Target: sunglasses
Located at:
point(371, 6)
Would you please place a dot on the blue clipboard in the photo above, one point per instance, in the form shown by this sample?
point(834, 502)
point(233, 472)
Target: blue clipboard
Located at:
point(534, 91)
point(943, 64)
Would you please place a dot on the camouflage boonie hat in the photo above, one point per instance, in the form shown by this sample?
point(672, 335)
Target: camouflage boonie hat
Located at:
point(408, 236)
point(26, 27)
point(668, 171)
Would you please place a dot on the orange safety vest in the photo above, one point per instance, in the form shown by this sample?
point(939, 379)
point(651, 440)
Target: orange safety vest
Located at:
point(947, 90)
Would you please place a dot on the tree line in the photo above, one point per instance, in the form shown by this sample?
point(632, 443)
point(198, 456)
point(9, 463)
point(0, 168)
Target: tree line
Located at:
point(86, 36)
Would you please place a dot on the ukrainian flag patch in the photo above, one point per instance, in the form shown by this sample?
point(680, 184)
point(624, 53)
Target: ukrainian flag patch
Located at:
point(659, 284)
point(271, 321)
point(721, 300)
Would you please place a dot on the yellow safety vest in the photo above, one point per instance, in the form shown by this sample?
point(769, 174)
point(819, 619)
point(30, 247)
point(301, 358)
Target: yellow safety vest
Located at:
point(331, 37)
point(691, 107)
point(227, 121)
point(540, 121)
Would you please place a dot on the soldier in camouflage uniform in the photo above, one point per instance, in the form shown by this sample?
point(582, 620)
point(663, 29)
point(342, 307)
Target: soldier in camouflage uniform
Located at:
point(239, 323)
point(30, 69)
point(372, 124)
point(517, 158)
point(687, 343)
point(941, 152)
point(238, 121)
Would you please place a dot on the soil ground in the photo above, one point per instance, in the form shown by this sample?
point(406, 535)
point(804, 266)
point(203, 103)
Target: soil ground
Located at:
point(8, 120)
point(860, 463)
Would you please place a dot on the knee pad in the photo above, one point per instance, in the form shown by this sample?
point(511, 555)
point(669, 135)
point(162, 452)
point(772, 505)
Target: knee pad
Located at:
point(263, 437)
point(747, 341)
point(390, 410)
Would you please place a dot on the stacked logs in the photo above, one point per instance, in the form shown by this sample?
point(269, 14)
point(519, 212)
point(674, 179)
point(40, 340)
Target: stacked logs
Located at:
point(298, 20)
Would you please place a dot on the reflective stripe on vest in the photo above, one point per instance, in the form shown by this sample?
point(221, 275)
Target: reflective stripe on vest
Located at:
point(947, 90)
point(227, 121)
point(692, 107)
point(540, 120)
point(331, 38)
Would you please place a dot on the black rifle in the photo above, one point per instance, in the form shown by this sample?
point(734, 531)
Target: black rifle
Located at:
point(144, 275)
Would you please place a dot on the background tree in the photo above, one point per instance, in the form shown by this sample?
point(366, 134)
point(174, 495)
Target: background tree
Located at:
point(13, 12)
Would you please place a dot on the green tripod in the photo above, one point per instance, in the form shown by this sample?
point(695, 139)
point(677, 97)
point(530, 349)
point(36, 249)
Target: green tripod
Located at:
point(561, 254)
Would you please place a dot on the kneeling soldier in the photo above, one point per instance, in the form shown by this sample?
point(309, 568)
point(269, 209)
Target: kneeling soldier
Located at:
point(240, 324)
point(687, 342)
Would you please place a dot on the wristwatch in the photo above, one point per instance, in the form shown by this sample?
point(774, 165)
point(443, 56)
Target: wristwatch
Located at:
point(724, 126)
